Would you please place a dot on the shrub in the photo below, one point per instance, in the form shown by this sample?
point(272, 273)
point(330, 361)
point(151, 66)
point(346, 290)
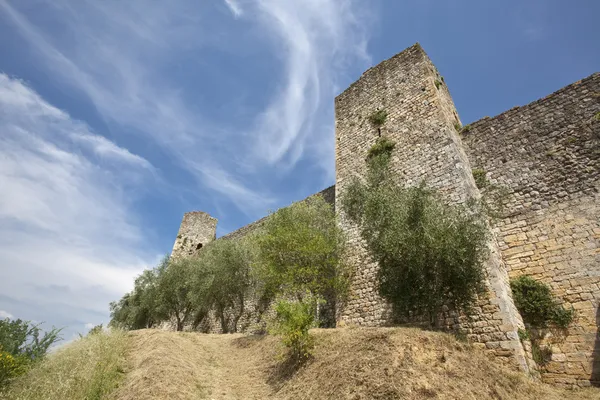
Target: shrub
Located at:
point(299, 251)
point(541, 354)
point(22, 344)
point(457, 126)
point(437, 83)
point(11, 367)
point(381, 147)
point(480, 177)
point(88, 368)
point(292, 321)
point(378, 118)
point(536, 304)
point(430, 254)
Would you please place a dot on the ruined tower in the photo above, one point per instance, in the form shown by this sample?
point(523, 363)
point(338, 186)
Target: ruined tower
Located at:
point(421, 119)
point(196, 230)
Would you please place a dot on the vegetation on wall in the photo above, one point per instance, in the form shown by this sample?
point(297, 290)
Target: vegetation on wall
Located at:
point(430, 254)
point(480, 177)
point(540, 311)
point(378, 118)
point(22, 344)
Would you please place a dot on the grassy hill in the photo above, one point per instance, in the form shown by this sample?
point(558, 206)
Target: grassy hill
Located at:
point(375, 363)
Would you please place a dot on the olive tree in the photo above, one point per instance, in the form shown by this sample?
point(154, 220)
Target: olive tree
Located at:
point(430, 253)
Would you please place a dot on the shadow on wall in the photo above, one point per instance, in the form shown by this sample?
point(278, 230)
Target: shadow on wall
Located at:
point(595, 378)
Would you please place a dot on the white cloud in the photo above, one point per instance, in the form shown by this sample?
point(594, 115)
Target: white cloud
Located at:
point(68, 237)
point(5, 314)
point(234, 7)
point(315, 37)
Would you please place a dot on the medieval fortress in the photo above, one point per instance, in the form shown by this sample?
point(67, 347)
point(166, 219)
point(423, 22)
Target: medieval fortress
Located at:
point(546, 154)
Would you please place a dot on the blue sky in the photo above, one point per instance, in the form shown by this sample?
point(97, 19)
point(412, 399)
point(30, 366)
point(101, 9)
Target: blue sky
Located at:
point(117, 117)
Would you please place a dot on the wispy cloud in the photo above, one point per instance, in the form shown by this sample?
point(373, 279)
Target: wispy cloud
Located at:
point(315, 38)
point(234, 6)
point(120, 55)
point(66, 219)
point(5, 314)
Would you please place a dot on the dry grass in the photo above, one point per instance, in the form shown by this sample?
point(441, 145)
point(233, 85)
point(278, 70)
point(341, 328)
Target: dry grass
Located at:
point(89, 368)
point(403, 363)
point(375, 363)
point(182, 365)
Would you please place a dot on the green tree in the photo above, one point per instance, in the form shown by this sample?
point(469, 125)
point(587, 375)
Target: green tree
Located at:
point(299, 250)
point(430, 254)
point(139, 309)
point(222, 279)
point(173, 291)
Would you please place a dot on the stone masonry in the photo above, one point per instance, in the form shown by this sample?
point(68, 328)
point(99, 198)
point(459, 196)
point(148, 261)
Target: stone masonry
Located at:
point(545, 155)
point(420, 119)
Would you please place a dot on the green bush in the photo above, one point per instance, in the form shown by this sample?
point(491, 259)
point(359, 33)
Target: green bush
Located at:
point(438, 83)
point(89, 368)
point(292, 321)
point(381, 147)
point(299, 250)
point(480, 177)
point(378, 118)
point(22, 344)
point(537, 306)
point(11, 367)
point(430, 254)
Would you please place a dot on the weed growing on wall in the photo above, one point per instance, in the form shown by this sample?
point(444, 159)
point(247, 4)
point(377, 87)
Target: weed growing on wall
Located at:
point(378, 118)
point(480, 177)
point(536, 304)
point(540, 311)
point(430, 254)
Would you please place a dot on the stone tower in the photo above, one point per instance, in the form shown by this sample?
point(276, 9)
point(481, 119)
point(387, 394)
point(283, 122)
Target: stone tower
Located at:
point(196, 230)
point(421, 119)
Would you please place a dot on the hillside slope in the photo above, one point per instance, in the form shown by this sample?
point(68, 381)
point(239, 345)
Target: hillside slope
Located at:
point(374, 363)
point(381, 363)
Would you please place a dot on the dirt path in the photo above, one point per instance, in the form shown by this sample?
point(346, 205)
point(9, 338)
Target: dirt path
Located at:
point(168, 365)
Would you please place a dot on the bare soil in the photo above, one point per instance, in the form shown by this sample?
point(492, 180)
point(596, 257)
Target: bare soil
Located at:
point(369, 363)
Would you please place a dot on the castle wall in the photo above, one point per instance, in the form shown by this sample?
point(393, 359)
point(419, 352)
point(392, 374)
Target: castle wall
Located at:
point(420, 119)
point(547, 155)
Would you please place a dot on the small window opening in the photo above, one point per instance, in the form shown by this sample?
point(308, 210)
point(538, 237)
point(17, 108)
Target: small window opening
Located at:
point(199, 246)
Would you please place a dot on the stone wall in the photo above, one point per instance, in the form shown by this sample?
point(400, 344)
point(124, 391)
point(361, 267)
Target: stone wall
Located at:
point(421, 119)
point(547, 156)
